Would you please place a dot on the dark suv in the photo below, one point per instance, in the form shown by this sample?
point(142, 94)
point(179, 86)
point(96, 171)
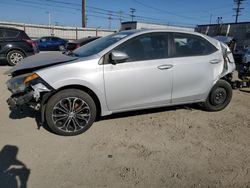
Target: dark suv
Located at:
point(15, 45)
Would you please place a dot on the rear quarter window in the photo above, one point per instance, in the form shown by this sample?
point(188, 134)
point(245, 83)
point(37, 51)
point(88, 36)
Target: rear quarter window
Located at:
point(191, 45)
point(23, 35)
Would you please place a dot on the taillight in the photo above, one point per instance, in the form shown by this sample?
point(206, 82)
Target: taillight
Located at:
point(31, 42)
point(78, 45)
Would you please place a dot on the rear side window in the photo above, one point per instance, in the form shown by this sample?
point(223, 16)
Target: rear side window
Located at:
point(11, 33)
point(191, 45)
point(146, 47)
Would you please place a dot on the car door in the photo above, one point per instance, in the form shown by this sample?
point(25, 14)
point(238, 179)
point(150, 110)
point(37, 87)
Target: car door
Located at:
point(43, 43)
point(55, 43)
point(196, 63)
point(145, 79)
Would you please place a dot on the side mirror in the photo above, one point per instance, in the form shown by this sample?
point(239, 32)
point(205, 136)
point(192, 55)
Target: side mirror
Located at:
point(117, 56)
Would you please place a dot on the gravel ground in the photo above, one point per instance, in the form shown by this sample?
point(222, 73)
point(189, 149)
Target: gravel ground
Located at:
point(169, 147)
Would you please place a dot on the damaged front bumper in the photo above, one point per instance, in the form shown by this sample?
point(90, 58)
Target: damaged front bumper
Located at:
point(27, 93)
point(17, 101)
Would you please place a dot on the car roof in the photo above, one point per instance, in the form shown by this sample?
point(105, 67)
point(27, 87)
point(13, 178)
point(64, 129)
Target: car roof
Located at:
point(51, 37)
point(141, 31)
point(86, 39)
point(10, 28)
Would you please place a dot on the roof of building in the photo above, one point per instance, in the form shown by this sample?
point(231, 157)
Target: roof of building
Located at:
point(239, 23)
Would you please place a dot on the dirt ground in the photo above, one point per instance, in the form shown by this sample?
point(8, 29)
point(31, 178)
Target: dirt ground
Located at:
point(169, 147)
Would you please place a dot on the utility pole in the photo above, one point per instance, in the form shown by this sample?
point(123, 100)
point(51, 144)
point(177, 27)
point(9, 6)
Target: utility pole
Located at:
point(120, 14)
point(110, 18)
point(49, 18)
point(49, 22)
point(219, 22)
point(83, 13)
point(132, 10)
point(237, 9)
point(211, 17)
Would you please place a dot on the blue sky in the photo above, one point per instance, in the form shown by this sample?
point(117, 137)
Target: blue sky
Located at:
point(67, 13)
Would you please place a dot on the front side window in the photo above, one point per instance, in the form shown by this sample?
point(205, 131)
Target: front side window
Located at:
point(191, 45)
point(145, 47)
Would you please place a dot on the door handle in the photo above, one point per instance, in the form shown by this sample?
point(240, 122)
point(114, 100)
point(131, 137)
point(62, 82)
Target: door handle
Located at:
point(215, 61)
point(164, 67)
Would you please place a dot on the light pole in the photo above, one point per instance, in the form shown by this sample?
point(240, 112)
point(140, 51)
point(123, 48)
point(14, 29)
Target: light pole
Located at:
point(96, 31)
point(49, 19)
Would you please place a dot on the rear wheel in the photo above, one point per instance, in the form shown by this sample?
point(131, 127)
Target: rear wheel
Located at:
point(61, 48)
point(70, 112)
point(13, 57)
point(219, 97)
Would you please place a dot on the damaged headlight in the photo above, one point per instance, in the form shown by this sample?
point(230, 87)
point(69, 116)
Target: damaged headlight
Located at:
point(19, 84)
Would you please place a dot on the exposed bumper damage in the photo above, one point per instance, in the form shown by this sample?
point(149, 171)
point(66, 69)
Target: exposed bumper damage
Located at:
point(29, 94)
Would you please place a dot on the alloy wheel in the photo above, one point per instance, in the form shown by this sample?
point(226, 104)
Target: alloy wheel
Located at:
point(71, 114)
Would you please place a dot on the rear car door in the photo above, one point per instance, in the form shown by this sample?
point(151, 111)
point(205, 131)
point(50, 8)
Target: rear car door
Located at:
point(145, 79)
point(196, 63)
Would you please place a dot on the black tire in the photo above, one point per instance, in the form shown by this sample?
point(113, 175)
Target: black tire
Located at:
point(61, 48)
point(14, 56)
point(69, 110)
point(219, 97)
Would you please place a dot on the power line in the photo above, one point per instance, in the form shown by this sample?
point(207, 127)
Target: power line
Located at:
point(237, 9)
point(92, 11)
point(41, 7)
point(45, 4)
point(167, 12)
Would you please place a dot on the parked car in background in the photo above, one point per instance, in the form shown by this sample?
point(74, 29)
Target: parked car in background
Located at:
point(80, 42)
point(51, 43)
point(15, 45)
point(130, 70)
point(246, 58)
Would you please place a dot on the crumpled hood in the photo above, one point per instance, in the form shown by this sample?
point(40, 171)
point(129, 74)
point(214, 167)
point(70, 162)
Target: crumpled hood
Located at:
point(40, 60)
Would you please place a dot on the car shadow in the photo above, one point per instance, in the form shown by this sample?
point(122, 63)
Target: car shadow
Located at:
point(29, 112)
point(24, 112)
point(150, 111)
point(13, 172)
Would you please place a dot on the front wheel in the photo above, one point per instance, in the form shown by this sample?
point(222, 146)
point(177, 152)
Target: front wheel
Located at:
point(70, 112)
point(219, 97)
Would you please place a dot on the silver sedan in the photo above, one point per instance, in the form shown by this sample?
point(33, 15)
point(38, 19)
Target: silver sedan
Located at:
point(125, 71)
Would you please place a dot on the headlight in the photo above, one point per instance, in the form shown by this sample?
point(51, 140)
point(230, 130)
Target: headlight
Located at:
point(18, 84)
point(30, 78)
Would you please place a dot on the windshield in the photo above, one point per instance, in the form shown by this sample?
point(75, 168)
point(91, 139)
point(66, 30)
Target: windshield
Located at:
point(100, 44)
